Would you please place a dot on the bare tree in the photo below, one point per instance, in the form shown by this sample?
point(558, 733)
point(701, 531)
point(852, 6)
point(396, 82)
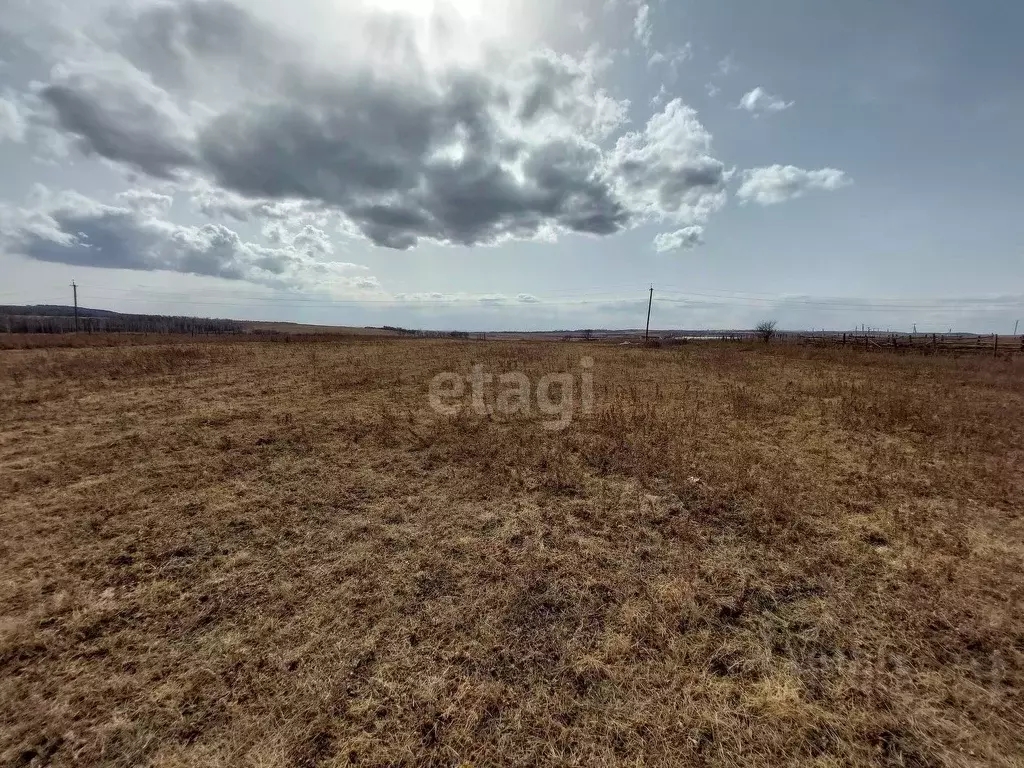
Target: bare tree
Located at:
point(766, 330)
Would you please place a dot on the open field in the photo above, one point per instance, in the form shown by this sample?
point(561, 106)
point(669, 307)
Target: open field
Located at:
point(276, 554)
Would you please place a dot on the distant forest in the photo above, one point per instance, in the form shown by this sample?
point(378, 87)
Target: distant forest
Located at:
point(49, 318)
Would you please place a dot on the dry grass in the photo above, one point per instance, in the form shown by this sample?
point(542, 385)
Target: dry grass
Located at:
point(276, 554)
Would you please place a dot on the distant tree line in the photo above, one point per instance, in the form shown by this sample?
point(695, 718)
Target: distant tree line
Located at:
point(400, 330)
point(433, 334)
point(61, 319)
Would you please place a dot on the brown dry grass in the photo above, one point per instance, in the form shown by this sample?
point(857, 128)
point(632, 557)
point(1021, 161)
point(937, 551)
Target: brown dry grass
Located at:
point(275, 554)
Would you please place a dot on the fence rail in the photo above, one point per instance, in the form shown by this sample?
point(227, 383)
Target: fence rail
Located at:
point(939, 342)
point(993, 344)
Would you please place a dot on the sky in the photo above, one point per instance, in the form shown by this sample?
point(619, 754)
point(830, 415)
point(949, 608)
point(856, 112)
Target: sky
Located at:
point(517, 164)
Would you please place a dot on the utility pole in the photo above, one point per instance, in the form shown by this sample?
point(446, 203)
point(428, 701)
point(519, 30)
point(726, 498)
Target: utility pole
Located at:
point(650, 300)
point(74, 289)
point(1015, 327)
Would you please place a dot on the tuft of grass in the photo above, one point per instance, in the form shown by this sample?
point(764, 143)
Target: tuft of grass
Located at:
point(256, 553)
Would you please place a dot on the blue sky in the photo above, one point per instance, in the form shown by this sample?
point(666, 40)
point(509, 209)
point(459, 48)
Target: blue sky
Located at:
point(519, 164)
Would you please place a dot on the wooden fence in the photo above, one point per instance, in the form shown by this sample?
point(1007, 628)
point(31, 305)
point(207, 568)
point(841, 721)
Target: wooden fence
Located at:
point(993, 344)
point(970, 343)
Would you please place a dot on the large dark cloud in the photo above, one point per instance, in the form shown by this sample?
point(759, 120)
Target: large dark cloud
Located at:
point(508, 148)
point(449, 162)
point(122, 118)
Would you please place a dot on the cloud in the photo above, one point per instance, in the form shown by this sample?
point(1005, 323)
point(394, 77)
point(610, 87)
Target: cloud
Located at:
point(304, 238)
point(146, 201)
point(116, 112)
point(176, 43)
point(778, 183)
point(581, 21)
point(666, 171)
point(642, 25)
point(508, 148)
point(69, 228)
point(468, 299)
point(726, 66)
point(224, 205)
point(759, 100)
point(13, 126)
point(681, 240)
point(659, 97)
point(433, 296)
point(672, 59)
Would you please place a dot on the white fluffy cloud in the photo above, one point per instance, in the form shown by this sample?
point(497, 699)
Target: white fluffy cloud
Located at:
point(666, 171)
point(223, 205)
point(681, 240)
point(778, 183)
point(146, 201)
point(759, 100)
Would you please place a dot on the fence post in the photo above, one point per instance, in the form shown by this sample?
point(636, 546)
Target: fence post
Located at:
point(995, 346)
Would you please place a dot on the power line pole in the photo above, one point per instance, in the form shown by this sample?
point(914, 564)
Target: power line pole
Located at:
point(1015, 327)
point(650, 300)
point(74, 289)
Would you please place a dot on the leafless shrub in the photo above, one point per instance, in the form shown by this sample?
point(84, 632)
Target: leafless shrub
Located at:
point(766, 330)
